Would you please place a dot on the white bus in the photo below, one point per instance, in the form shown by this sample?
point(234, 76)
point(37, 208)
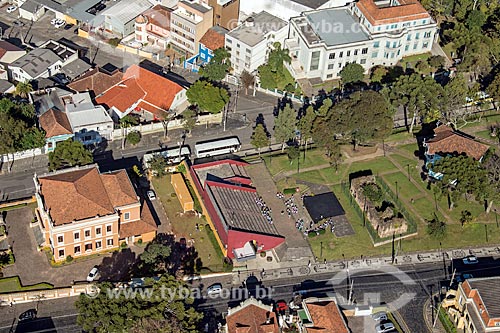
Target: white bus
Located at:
point(217, 147)
point(171, 155)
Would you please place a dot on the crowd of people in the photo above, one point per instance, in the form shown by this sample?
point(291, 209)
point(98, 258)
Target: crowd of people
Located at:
point(266, 211)
point(301, 225)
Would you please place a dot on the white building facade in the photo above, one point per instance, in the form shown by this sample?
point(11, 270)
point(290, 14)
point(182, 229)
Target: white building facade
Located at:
point(250, 43)
point(322, 42)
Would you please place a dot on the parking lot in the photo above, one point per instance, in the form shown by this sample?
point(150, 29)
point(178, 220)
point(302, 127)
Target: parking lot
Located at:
point(366, 324)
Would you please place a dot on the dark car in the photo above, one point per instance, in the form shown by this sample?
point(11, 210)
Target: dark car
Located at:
point(68, 26)
point(18, 23)
point(27, 315)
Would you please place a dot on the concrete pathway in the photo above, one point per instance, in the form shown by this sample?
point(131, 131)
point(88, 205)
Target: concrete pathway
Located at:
point(296, 246)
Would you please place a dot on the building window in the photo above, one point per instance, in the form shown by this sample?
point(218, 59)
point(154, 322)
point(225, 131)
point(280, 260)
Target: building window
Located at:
point(331, 56)
point(374, 54)
point(425, 45)
point(228, 41)
point(330, 66)
point(77, 249)
point(407, 47)
point(76, 235)
point(394, 44)
point(60, 239)
point(341, 54)
point(126, 216)
point(61, 253)
point(356, 52)
point(98, 231)
point(407, 24)
point(340, 65)
point(49, 144)
point(237, 45)
point(364, 51)
point(424, 21)
point(348, 53)
point(427, 34)
point(98, 245)
point(109, 228)
point(314, 61)
point(109, 242)
point(329, 76)
point(415, 46)
point(387, 44)
point(379, 28)
point(417, 35)
point(88, 247)
point(87, 233)
point(362, 61)
point(248, 51)
point(408, 37)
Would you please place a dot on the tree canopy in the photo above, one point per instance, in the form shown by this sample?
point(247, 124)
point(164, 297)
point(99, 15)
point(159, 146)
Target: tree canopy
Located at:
point(113, 312)
point(207, 96)
point(352, 73)
point(217, 68)
point(69, 153)
point(260, 138)
point(285, 125)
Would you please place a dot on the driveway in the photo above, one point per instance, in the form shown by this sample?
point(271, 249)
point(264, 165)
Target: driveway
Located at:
point(33, 266)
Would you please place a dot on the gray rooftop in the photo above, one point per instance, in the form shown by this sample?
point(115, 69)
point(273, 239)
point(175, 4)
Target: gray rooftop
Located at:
point(36, 62)
point(220, 172)
point(489, 290)
point(31, 6)
point(78, 9)
point(313, 4)
point(240, 210)
point(75, 68)
point(334, 26)
point(263, 23)
point(127, 10)
point(5, 85)
point(196, 6)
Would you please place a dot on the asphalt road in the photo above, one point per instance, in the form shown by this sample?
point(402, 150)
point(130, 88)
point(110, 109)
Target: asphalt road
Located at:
point(406, 289)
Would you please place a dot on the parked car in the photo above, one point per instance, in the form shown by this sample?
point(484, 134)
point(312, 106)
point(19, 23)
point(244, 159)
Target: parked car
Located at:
point(151, 195)
point(281, 306)
point(470, 260)
point(60, 23)
point(11, 9)
point(463, 277)
point(214, 289)
point(384, 327)
point(94, 272)
point(53, 21)
point(379, 316)
point(28, 315)
point(18, 23)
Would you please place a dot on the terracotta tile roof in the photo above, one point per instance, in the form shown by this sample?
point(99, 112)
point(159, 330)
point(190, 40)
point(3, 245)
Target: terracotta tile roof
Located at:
point(75, 195)
point(157, 112)
point(119, 187)
point(96, 80)
point(326, 318)
point(448, 141)
point(409, 10)
point(6, 47)
point(123, 95)
point(55, 123)
point(252, 319)
point(213, 39)
point(140, 84)
point(159, 15)
point(145, 225)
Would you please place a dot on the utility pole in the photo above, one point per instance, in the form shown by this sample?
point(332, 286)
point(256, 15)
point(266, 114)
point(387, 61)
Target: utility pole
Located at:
point(224, 117)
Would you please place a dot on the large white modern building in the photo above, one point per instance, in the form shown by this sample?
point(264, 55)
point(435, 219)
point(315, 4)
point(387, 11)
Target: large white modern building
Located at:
point(370, 33)
point(251, 42)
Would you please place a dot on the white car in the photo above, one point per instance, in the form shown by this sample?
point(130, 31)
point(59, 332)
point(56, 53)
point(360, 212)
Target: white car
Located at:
point(11, 9)
point(94, 272)
point(470, 260)
point(385, 327)
point(151, 195)
point(53, 21)
point(60, 23)
point(214, 289)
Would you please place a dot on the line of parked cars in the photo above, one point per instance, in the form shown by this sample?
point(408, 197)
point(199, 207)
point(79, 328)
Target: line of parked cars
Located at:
point(384, 324)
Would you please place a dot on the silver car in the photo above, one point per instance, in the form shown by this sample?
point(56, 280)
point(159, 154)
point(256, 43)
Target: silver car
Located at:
point(379, 316)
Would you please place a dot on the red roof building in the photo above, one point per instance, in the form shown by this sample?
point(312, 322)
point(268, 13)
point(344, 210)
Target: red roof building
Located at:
point(234, 209)
point(406, 10)
point(322, 315)
point(145, 93)
point(251, 316)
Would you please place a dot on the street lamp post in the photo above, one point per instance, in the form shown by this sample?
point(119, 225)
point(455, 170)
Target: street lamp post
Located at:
point(408, 165)
point(397, 194)
point(321, 249)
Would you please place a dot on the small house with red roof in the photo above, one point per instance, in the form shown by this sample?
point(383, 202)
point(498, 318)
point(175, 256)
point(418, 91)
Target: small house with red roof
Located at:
point(142, 92)
point(320, 315)
point(153, 27)
point(251, 316)
point(445, 142)
point(212, 40)
point(239, 217)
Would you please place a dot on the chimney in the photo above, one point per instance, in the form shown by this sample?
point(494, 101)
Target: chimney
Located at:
point(249, 22)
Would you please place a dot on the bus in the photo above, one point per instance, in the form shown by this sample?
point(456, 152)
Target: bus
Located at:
point(171, 155)
point(217, 147)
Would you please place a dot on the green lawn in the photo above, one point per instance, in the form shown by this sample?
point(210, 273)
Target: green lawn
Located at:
point(415, 169)
point(411, 148)
point(13, 284)
point(486, 134)
point(281, 163)
point(404, 189)
point(449, 49)
point(399, 136)
point(414, 59)
point(185, 225)
point(377, 165)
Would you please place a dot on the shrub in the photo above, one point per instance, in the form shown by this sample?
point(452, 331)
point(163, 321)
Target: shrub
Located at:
point(134, 137)
point(139, 241)
point(173, 195)
point(263, 254)
point(311, 234)
point(123, 245)
point(372, 192)
point(290, 191)
point(114, 41)
point(322, 231)
point(69, 259)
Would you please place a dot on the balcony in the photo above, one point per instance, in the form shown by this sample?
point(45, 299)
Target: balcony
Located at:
point(296, 69)
point(292, 44)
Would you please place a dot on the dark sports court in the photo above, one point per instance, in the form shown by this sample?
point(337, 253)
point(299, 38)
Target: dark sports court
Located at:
point(323, 206)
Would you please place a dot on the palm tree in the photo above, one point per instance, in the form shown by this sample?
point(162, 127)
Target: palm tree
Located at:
point(247, 80)
point(23, 89)
point(126, 122)
point(278, 57)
